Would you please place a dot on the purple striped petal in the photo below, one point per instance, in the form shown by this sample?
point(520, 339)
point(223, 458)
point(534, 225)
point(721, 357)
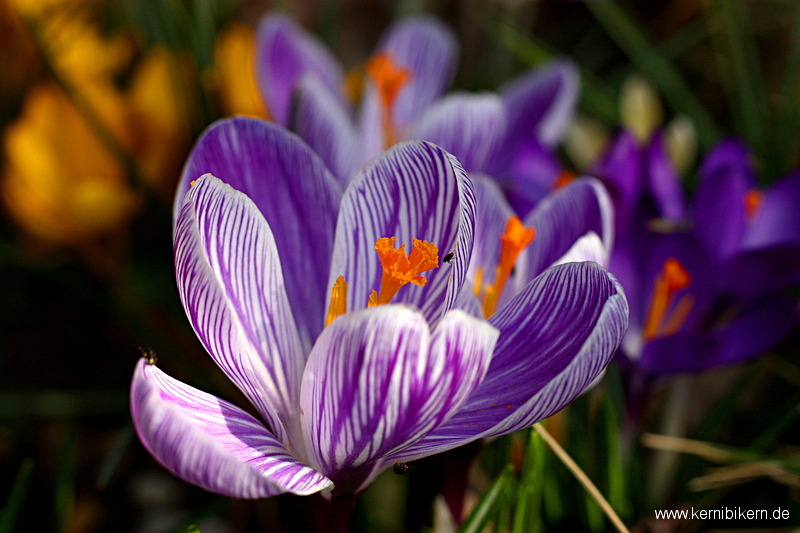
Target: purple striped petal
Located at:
point(469, 126)
point(429, 50)
point(778, 218)
point(378, 381)
point(327, 128)
point(415, 190)
point(542, 102)
point(286, 53)
point(556, 337)
point(212, 443)
point(231, 286)
point(719, 202)
point(565, 216)
point(293, 190)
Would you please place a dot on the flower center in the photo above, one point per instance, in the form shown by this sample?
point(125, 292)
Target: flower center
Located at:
point(672, 279)
point(515, 238)
point(389, 77)
point(398, 269)
point(752, 203)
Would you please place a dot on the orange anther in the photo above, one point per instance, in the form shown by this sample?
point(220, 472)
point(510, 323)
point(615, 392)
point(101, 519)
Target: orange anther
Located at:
point(338, 305)
point(515, 238)
point(390, 78)
point(752, 203)
point(565, 178)
point(399, 269)
point(673, 278)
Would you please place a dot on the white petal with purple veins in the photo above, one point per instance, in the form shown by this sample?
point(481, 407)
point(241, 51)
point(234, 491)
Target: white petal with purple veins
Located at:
point(212, 443)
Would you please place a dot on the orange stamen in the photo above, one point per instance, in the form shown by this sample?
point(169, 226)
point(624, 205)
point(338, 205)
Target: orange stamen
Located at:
point(673, 278)
point(515, 238)
point(752, 203)
point(399, 269)
point(338, 305)
point(390, 78)
point(565, 178)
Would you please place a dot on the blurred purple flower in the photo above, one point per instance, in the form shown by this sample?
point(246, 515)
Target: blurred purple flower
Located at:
point(260, 252)
point(705, 280)
point(402, 98)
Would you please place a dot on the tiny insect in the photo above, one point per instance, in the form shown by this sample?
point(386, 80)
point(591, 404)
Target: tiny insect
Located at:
point(148, 354)
point(448, 258)
point(401, 468)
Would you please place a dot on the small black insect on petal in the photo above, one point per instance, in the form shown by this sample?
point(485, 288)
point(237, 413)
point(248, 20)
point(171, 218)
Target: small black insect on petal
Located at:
point(448, 258)
point(401, 468)
point(148, 354)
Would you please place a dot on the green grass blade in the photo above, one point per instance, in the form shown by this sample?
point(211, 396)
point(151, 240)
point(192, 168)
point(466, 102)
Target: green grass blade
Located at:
point(749, 94)
point(64, 500)
point(528, 514)
point(789, 115)
point(19, 492)
point(490, 503)
point(651, 61)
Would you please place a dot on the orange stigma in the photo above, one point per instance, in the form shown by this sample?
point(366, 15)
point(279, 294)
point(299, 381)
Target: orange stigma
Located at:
point(399, 269)
point(390, 78)
point(752, 203)
point(515, 238)
point(338, 305)
point(565, 178)
point(673, 278)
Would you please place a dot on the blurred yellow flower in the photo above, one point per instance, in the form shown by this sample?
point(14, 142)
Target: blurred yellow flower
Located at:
point(234, 72)
point(159, 114)
point(66, 178)
point(60, 181)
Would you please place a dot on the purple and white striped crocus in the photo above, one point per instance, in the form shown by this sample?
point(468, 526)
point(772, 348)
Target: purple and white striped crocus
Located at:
point(304, 296)
point(402, 97)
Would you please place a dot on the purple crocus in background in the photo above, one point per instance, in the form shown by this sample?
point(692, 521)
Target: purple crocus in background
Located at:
point(275, 267)
point(705, 279)
point(509, 135)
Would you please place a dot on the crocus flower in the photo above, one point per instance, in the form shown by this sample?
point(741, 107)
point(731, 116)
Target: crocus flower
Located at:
point(401, 97)
point(704, 278)
point(351, 348)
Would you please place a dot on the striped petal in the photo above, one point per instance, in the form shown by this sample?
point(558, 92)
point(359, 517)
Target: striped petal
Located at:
point(565, 216)
point(429, 50)
point(469, 126)
point(556, 337)
point(378, 381)
point(415, 190)
point(294, 192)
point(541, 102)
point(327, 128)
point(231, 286)
point(211, 443)
point(286, 52)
